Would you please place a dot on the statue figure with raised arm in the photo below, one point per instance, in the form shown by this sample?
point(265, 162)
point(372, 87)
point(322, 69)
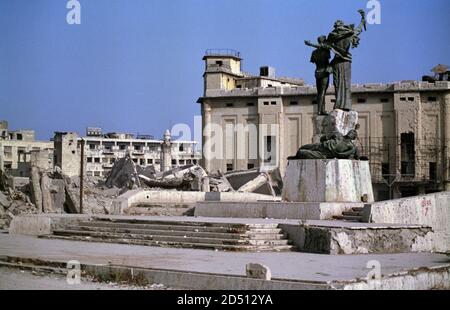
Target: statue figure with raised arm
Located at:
point(340, 40)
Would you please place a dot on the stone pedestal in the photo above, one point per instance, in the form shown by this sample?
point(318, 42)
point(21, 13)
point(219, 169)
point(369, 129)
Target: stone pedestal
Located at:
point(327, 180)
point(337, 121)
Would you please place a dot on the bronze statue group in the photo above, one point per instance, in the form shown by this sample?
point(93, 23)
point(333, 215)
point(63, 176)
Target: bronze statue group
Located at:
point(340, 40)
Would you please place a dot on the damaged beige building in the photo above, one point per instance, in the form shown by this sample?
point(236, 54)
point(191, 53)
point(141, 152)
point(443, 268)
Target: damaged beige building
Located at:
point(101, 151)
point(258, 121)
point(17, 148)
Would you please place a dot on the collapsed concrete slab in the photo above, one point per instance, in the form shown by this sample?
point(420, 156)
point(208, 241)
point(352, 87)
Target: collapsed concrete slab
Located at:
point(256, 180)
point(123, 174)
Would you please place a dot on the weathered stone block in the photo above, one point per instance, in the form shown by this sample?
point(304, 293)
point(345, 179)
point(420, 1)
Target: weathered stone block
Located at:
point(337, 121)
point(327, 180)
point(258, 271)
point(344, 121)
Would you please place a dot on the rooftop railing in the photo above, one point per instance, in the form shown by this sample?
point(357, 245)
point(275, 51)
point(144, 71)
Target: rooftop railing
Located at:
point(222, 52)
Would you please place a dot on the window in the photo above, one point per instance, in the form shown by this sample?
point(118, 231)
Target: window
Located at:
point(230, 105)
point(123, 147)
point(361, 100)
point(181, 161)
point(270, 85)
point(188, 162)
point(174, 162)
point(229, 167)
point(385, 171)
point(92, 146)
point(96, 173)
point(149, 161)
point(105, 160)
point(408, 154)
point(333, 100)
point(384, 100)
point(273, 103)
point(293, 103)
point(402, 98)
point(266, 102)
point(181, 148)
point(89, 159)
point(250, 166)
point(238, 86)
point(97, 159)
point(410, 98)
point(250, 104)
point(135, 160)
point(137, 147)
point(433, 171)
point(142, 162)
point(270, 149)
point(269, 144)
point(7, 151)
point(19, 136)
point(219, 62)
point(432, 99)
point(194, 161)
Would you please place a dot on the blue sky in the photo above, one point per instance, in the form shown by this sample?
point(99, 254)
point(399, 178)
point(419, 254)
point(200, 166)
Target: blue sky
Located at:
point(136, 65)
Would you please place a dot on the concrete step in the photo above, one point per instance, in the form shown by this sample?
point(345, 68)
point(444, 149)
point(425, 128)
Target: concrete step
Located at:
point(176, 239)
point(170, 226)
point(236, 248)
point(247, 235)
point(348, 218)
point(352, 213)
point(181, 223)
point(358, 209)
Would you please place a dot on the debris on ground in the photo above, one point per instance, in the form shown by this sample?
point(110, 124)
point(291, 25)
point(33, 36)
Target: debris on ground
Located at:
point(126, 174)
point(13, 203)
point(51, 191)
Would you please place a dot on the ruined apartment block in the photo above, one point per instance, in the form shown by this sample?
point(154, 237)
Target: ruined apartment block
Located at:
point(101, 151)
point(19, 147)
point(404, 126)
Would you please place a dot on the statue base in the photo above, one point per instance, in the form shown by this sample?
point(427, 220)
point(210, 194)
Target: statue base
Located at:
point(327, 180)
point(337, 121)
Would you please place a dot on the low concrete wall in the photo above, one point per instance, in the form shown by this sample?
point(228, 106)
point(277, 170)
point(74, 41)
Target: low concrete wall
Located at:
point(275, 210)
point(416, 279)
point(42, 224)
point(357, 239)
point(179, 198)
point(431, 210)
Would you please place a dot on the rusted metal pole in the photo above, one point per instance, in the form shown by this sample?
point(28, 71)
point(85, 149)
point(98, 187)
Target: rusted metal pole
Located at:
point(82, 175)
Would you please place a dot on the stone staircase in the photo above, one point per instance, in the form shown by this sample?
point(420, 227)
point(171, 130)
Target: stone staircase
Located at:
point(355, 215)
point(181, 234)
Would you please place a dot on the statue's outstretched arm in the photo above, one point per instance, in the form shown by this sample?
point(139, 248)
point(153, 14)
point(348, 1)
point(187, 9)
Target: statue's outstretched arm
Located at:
point(309, 43)
point(362, 24)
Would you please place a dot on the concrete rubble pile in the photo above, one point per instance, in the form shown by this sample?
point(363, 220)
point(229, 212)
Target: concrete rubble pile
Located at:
point(13, 202)
point(50, 191)
point(127, 175)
